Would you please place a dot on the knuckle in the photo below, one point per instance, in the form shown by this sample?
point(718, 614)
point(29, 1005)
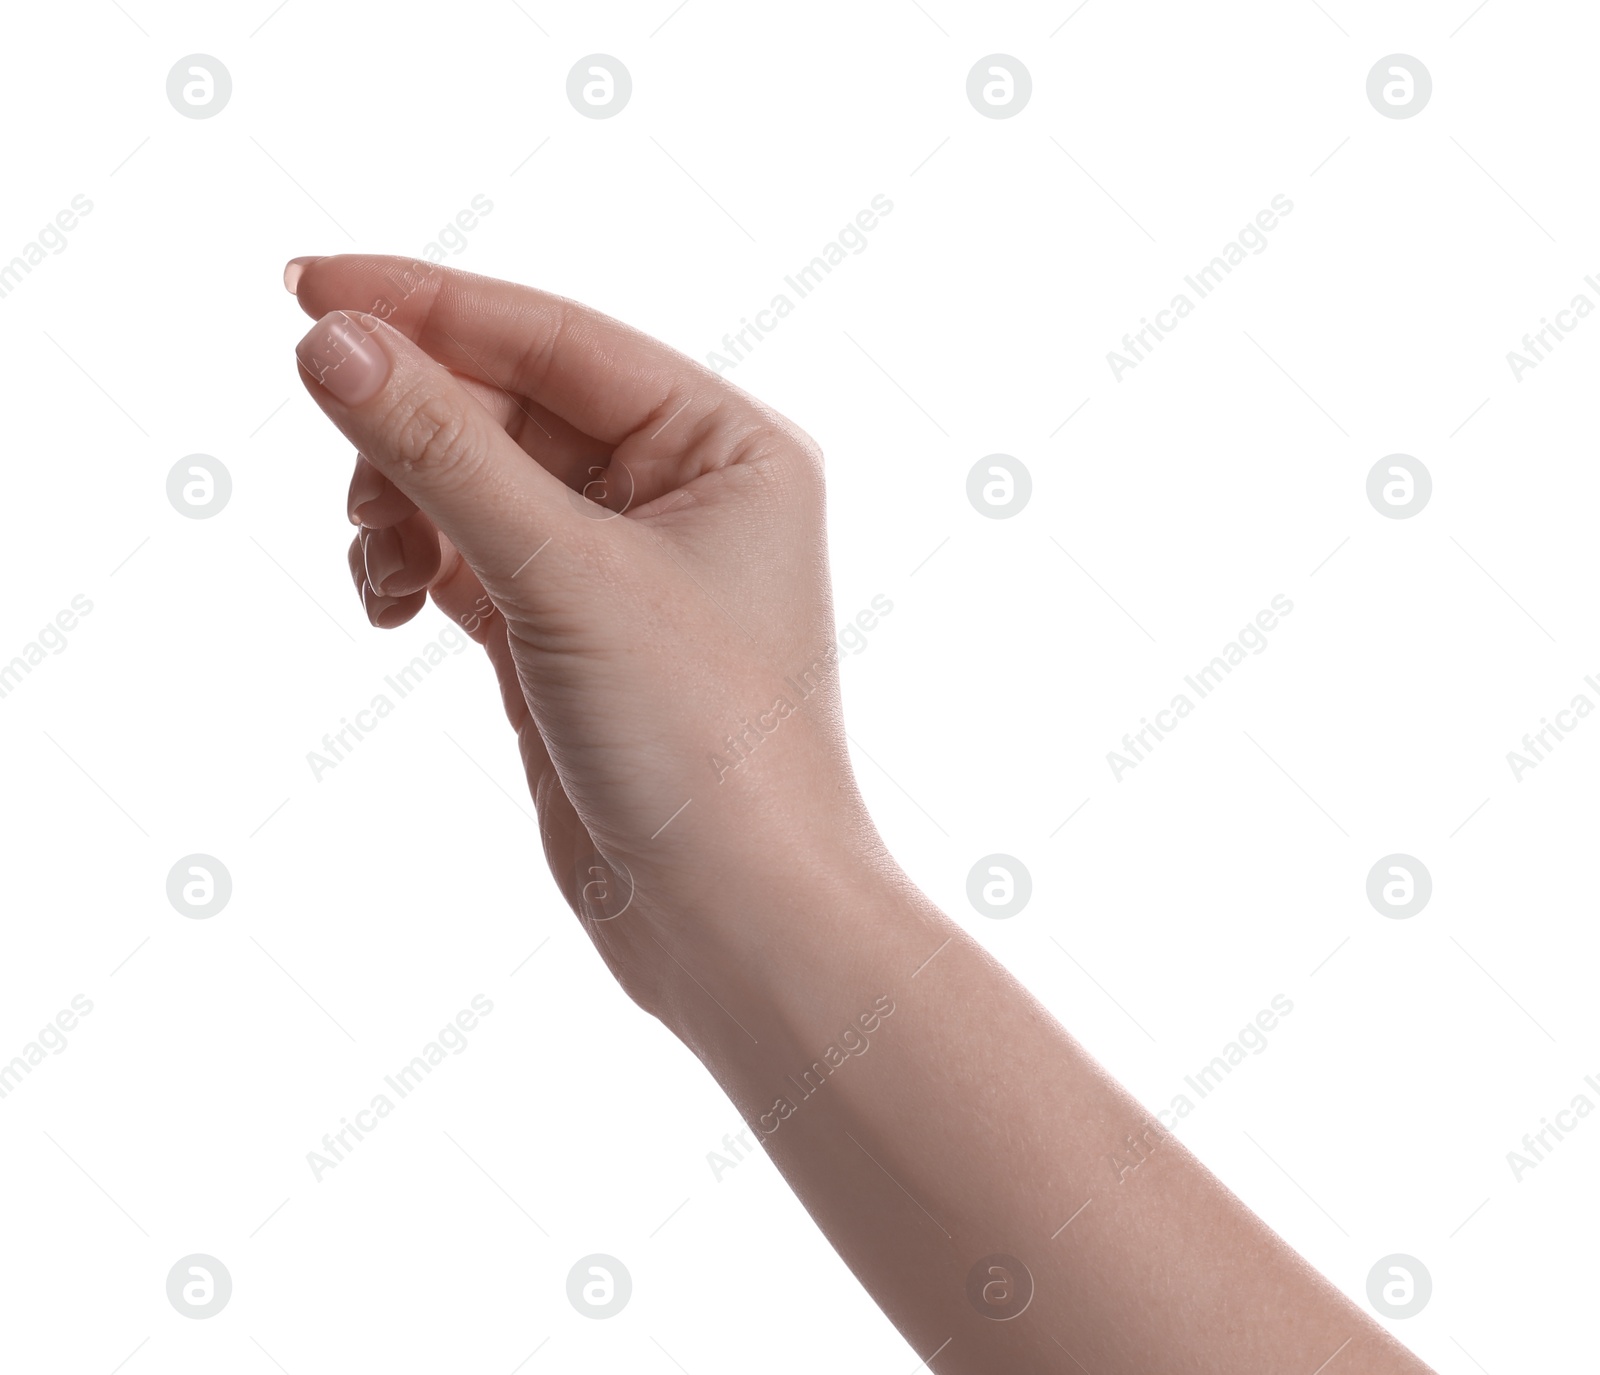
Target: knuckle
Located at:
point(534, 366)
point(788, 456)
point(810, 452)
point(772, 432)
point(436, 437)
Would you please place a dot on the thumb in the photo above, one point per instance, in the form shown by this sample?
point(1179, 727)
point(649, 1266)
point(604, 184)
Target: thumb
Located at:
point(416, 423)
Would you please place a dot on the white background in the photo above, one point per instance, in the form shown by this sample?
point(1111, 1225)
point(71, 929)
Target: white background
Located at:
point(370, 906)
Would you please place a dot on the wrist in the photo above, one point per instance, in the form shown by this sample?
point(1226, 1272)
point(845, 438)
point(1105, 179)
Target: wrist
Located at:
point(778, 960)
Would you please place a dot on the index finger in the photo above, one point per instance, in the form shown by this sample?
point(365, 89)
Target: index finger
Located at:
point(601, 376)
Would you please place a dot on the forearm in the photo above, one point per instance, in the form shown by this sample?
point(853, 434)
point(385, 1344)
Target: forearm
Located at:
point(930, 1114)
point(758, 916)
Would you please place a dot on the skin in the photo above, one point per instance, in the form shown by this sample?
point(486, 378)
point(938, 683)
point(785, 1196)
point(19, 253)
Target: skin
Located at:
point(750, 904)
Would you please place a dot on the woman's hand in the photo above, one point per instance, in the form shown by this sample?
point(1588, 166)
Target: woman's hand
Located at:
point(638, 545)
point(667, 659)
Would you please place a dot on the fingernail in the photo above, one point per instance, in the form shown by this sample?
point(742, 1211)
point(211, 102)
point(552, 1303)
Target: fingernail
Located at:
point(384, 557)
point(346, 359)
point(385, 617)
point(292, 270)
point(365, 486)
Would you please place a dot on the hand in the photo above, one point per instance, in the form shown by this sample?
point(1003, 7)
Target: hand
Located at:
point(632, 638)
point(639, 547)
